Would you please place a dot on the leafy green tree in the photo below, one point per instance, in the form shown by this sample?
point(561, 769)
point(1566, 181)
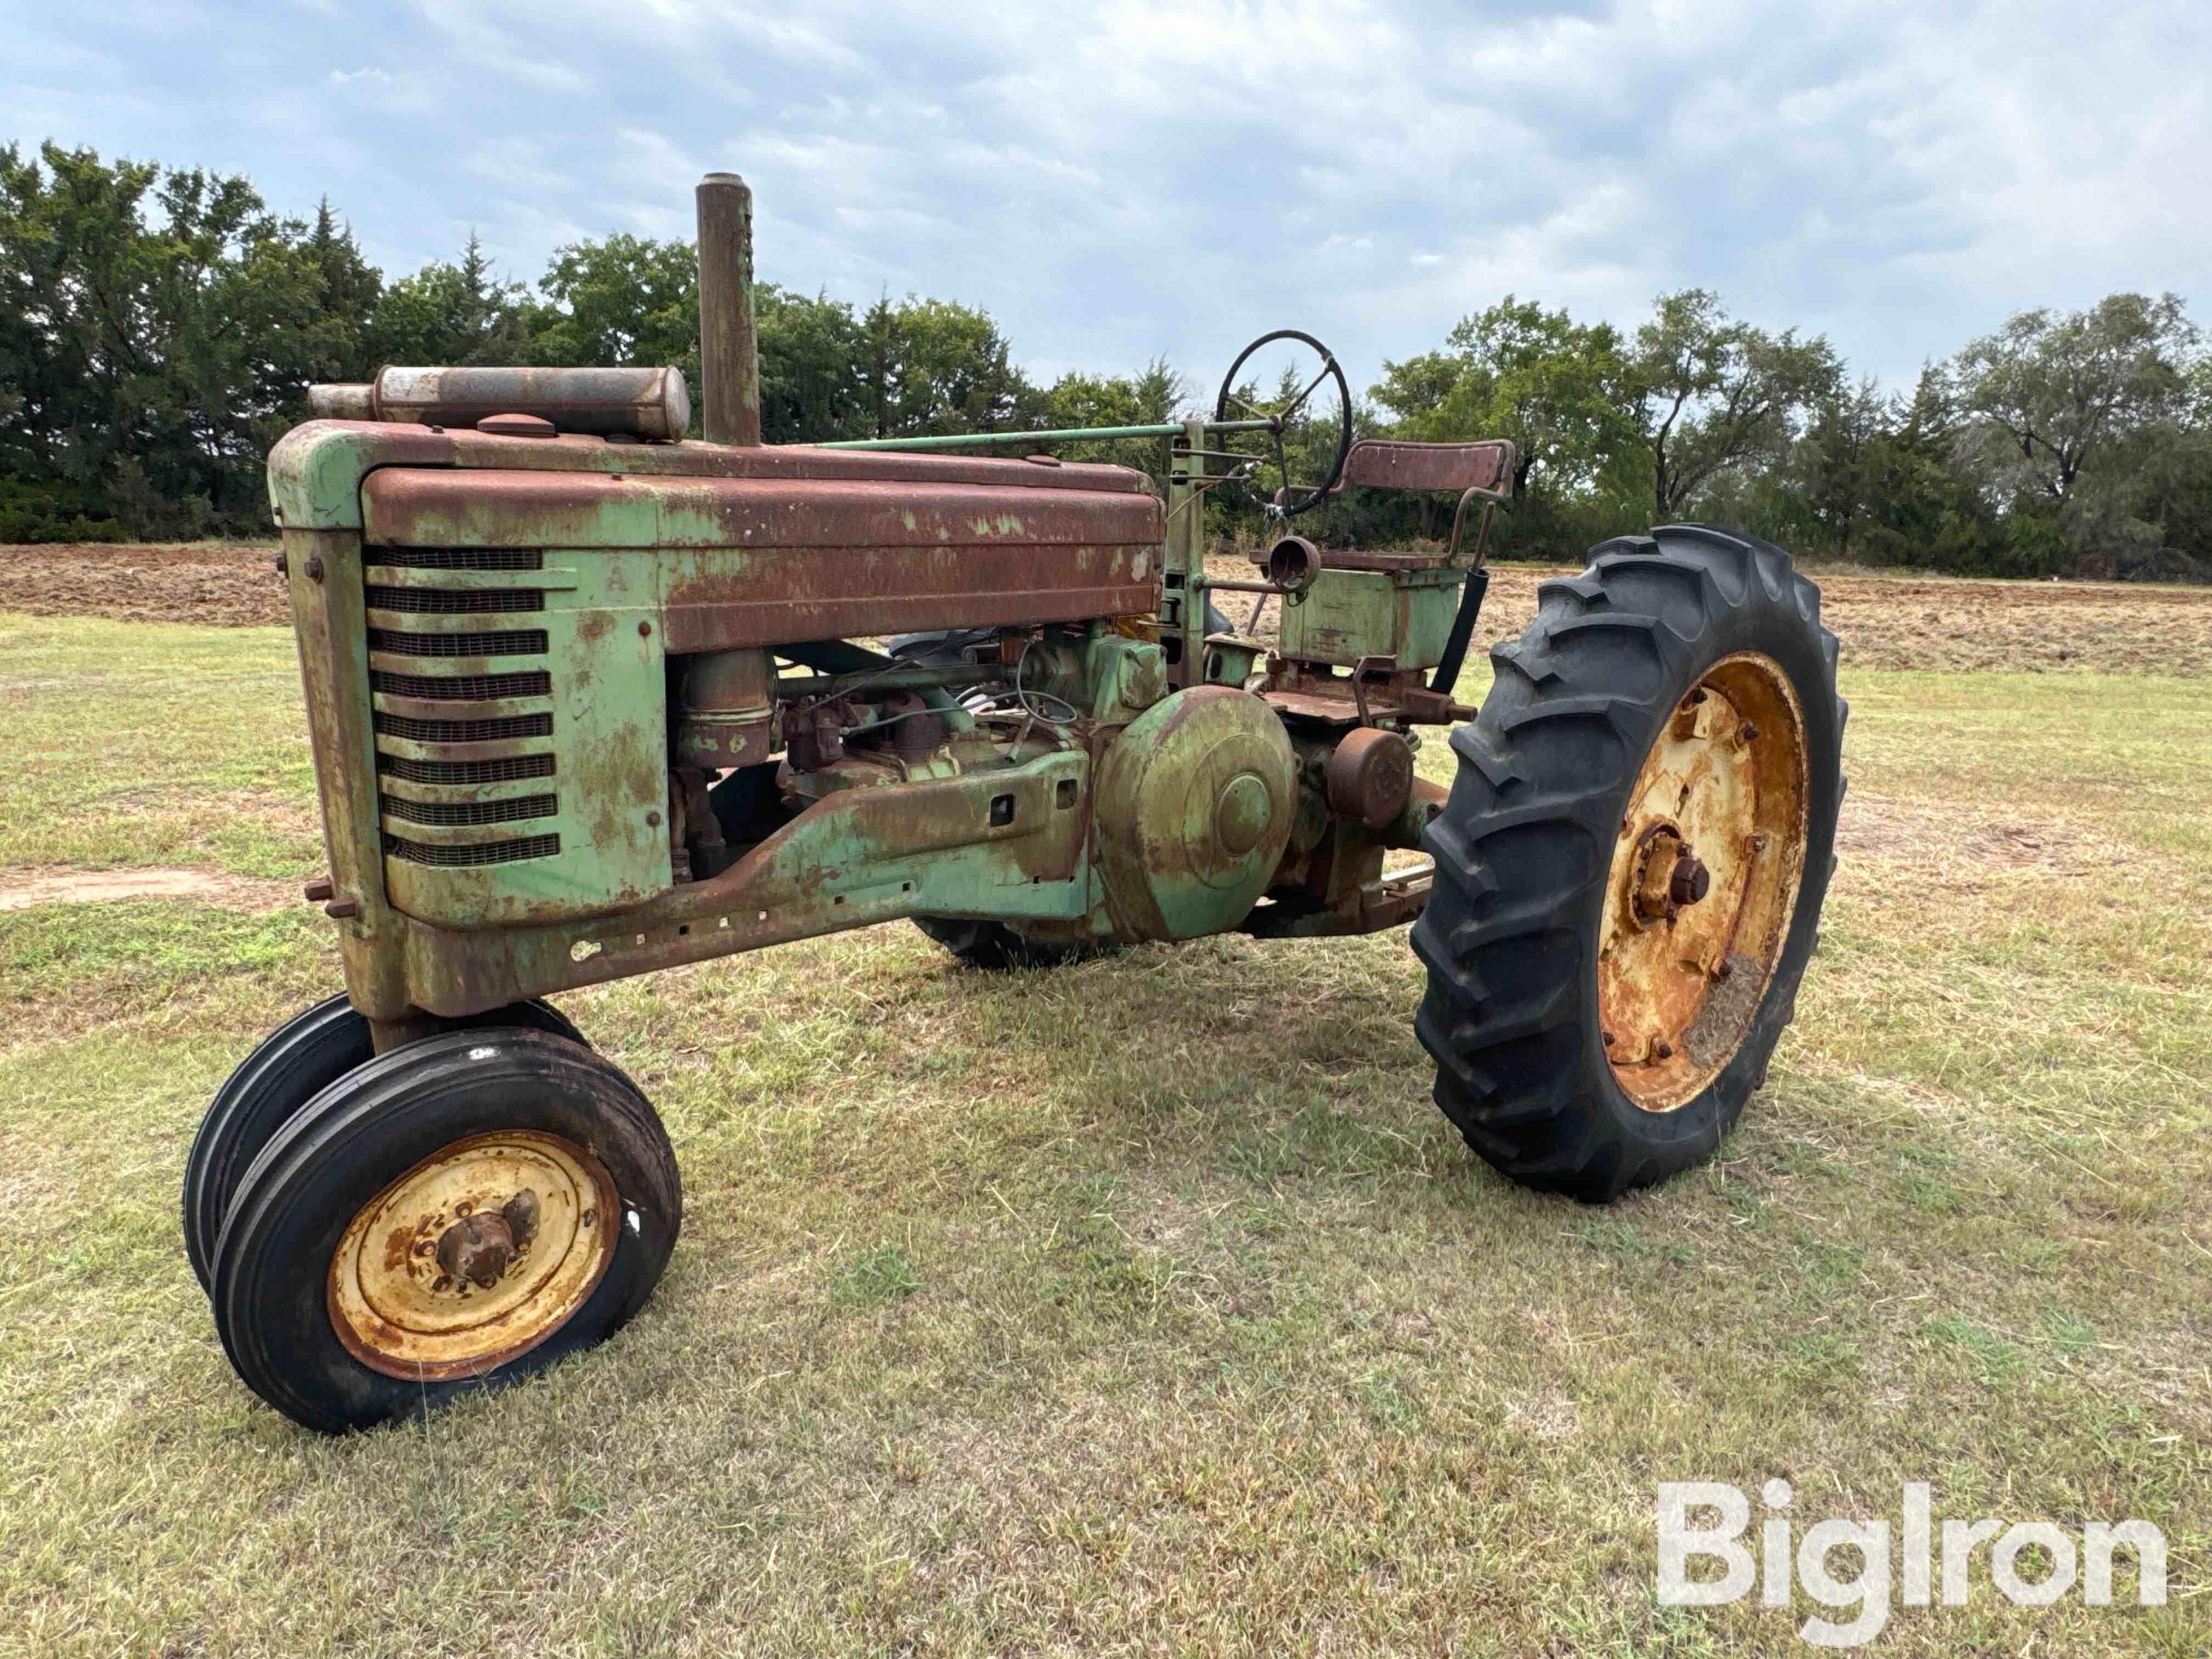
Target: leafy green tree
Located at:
point(1563, 393)
point(2086, 419)
point(350, 289)
point(457, 314)
point(2174, 470)
point(1566, 394)
point(1718, 393)
point(1834, 469)
point(2049, 391)
point(625, 300)
point(812, 389)
point(157, 327)
point(931, 366)
point(1922, 509)
point(1416, 393)
point(1150, 398)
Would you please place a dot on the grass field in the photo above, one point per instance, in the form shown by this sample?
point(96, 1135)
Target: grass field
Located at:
point(1148, 1305)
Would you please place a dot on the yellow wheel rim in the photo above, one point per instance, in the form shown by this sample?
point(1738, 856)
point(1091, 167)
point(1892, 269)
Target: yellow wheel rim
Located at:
point(1703, 882)
point(474, 1256)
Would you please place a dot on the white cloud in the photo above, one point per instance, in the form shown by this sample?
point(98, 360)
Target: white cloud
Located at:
point(1118, 178)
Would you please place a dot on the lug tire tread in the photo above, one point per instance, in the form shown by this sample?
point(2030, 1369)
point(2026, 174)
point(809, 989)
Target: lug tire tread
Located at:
point(1524, 845)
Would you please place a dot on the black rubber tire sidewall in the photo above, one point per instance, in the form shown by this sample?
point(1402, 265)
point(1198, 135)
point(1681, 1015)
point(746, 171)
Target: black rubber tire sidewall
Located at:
point(1687, 1135)
point(1553, 1115)
point(994, 947)
point(294, 1204)
point(291, 1065)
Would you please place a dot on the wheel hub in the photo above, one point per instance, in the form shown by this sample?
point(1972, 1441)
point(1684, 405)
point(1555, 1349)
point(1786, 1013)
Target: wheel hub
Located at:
point(474, 1256)
point(478, 1249)
point(1703, 882)
point(1668, 876)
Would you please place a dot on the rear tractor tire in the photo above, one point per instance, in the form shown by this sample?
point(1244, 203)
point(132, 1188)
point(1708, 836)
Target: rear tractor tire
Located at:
point(1631, 866)
point(453, 1215)
point(994, 947)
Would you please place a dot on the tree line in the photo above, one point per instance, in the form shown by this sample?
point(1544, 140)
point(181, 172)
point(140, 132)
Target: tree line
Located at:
point(2075, 443)
point(159, 326)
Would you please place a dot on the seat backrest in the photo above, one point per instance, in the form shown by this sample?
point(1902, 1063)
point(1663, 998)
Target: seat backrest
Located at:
point(1388, 463)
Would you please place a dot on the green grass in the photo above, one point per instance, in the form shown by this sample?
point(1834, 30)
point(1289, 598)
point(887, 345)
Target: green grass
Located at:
point(1146, 1305)
point(135, 744)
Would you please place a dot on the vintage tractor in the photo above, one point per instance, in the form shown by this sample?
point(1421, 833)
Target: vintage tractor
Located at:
point(588, 699)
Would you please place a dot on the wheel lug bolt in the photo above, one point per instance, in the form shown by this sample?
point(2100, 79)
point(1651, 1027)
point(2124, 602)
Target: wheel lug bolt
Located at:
point(1664, 1050)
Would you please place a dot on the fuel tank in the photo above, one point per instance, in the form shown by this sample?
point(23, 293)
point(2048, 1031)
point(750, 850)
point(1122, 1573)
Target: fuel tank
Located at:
point(766, 560)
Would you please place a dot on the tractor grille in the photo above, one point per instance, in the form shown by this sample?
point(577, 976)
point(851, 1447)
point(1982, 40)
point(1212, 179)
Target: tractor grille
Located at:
point(528, 644)
point(459, 558)
point(489, 852)
point(484, 771)
point(437, 602)
point(435, 806)
point(468, 811)
point(461, 688)
point(498, 730)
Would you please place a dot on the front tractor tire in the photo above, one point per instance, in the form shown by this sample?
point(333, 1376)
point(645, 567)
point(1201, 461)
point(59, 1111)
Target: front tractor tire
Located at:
point(451, 1216)
point(293, 1065)
point(1631, 866)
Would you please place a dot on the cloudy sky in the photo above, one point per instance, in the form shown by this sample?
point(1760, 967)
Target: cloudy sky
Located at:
point(1113, 181)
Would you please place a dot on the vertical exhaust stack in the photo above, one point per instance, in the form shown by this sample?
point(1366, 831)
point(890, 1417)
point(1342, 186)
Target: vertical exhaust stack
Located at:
point(729, 352)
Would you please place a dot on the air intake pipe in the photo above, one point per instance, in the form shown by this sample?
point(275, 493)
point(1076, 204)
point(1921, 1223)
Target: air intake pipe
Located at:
point(640, 402)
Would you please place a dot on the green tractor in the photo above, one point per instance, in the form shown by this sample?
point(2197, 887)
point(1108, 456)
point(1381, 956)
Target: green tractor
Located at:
point(588, 699)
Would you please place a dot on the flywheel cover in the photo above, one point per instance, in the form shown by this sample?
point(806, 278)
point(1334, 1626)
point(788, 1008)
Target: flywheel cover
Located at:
point(1195, 803)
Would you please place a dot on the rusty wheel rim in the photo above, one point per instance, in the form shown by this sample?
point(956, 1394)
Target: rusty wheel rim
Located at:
point(1703, 882)
point(475, 1256)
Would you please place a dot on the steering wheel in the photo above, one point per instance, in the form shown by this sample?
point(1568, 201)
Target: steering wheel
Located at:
point(1291, 499)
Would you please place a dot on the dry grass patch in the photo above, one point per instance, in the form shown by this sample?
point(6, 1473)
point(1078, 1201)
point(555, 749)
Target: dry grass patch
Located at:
point(1149, 1305)
point(154, 746)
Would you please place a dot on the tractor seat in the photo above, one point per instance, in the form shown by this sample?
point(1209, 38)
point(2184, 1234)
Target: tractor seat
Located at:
point(1477, 470)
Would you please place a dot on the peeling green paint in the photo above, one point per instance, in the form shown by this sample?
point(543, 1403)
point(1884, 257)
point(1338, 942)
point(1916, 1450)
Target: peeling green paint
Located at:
point(608, 711)
point(1351, 614)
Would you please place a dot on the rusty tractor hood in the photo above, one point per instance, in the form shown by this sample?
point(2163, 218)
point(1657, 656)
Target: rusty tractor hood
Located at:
point(317, 469)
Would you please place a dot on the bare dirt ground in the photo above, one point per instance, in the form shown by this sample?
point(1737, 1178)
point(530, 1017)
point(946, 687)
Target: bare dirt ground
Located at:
point(1885, 621)
point(22, 890)
point(1922, 621)
point(228, 584)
